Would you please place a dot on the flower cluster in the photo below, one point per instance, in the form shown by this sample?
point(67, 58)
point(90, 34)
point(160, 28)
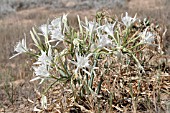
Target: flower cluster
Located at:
point(128, 21)
point(82, 50)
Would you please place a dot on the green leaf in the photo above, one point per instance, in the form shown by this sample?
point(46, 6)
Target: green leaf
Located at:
point(35, 40)
point(81, 29)
point(62, 73)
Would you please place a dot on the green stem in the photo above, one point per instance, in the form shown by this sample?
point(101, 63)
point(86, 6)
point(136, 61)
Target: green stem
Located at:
point(99, 86)
point(92, 74)
point(110, 101)
point(127, 34)
point(136, 46)
point(46, 90)
point(65, 69)
point(132, 40)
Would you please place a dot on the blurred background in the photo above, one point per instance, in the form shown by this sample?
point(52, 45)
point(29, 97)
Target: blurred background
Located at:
point(19, 16)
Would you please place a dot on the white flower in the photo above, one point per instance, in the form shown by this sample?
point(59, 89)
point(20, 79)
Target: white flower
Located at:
point(91, 27)
point(104, 41)
point(56, 35)
point(45, 58)
point(44, 62)
point(128, 21)
point(44, 29)
point(21, 47)
point(41, 71)
point(147, 37)
point(56, 23)
point(82, 61)
point(108, 28)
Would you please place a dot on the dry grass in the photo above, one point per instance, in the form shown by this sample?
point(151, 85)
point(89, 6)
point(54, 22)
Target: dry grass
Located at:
point(15, 74)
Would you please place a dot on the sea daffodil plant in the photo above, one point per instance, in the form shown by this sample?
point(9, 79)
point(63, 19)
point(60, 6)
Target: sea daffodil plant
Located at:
point(89, 53)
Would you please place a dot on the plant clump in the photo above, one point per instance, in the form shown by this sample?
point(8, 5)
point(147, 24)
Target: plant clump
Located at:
point(106, 65)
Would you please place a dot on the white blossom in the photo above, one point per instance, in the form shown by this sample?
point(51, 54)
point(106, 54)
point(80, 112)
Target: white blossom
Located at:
point(45, 58)
point(56, 23)
point(104, 41)
point(108, 28)
point(56, 35)
point(82, 61)
point(91, 27)
point(21, 47)
point(44, 29)
point(128, 21)
point(44, 62)
point(41, 71)
point(147, 37)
